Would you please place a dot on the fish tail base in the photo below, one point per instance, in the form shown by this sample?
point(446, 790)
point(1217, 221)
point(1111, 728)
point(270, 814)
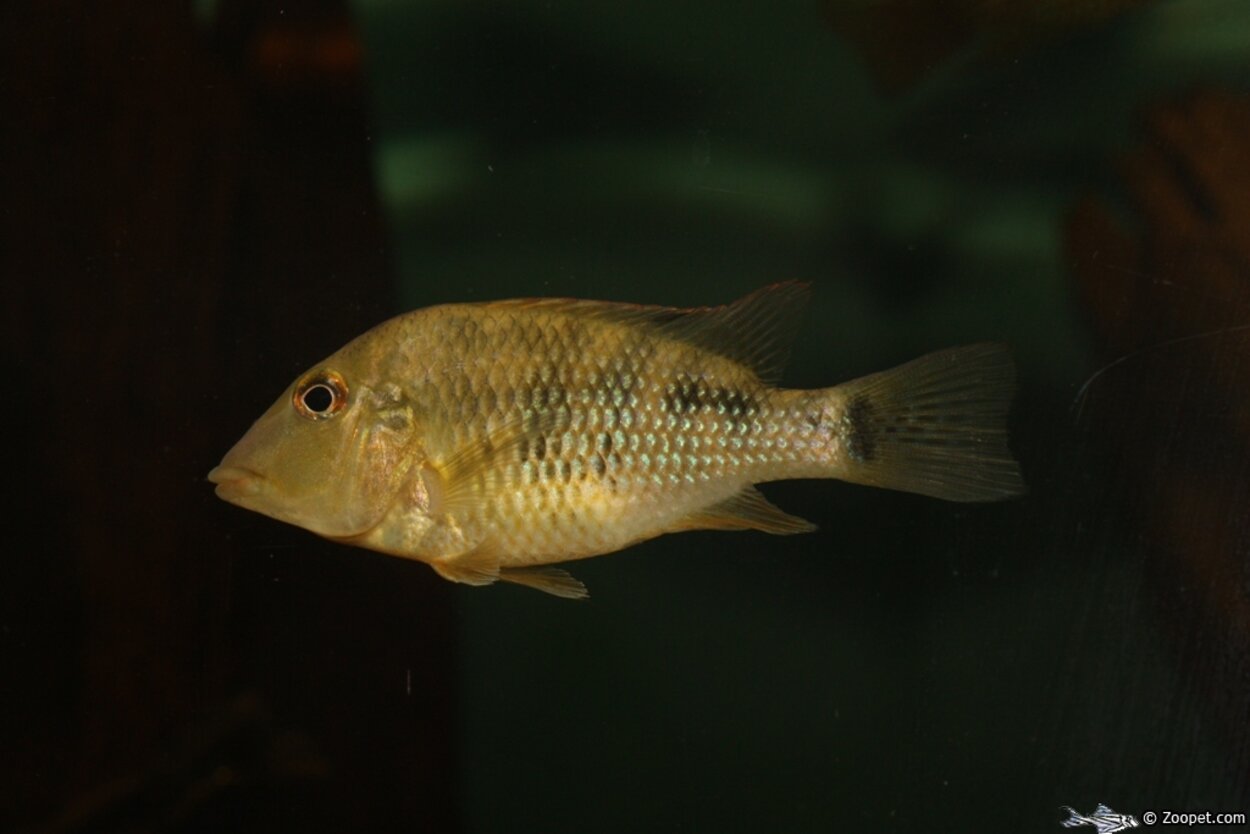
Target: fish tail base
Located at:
point(935, 426)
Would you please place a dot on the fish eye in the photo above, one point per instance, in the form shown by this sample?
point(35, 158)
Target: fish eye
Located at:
point(323, 394)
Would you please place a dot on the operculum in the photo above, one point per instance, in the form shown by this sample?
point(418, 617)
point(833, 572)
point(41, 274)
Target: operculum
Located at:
point(380, 461)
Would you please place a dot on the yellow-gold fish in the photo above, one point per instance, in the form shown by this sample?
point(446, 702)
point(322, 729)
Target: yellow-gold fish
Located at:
point(492, 440)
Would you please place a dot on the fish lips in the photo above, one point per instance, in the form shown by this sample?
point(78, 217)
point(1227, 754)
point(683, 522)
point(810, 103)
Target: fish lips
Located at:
point(236, 484)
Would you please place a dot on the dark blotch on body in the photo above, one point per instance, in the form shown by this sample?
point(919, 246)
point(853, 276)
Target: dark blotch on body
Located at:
point(861, 446)
point(686, 396)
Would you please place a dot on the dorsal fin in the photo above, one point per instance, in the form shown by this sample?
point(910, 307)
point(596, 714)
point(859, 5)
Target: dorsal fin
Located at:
point(757, 330)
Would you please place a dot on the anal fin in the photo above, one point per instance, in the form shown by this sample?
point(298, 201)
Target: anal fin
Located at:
point(554, 581)
point(747, 510)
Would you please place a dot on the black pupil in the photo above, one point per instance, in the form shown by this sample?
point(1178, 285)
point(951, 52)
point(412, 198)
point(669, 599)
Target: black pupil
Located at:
point(318, 398)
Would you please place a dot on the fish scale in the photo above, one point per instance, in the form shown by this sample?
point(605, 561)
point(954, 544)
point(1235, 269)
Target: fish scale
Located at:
point(494, 440)
point(618, 394)
point(577, 488)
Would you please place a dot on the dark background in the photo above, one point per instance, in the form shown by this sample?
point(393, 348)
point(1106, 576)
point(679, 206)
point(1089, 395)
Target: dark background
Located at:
point(200, 200)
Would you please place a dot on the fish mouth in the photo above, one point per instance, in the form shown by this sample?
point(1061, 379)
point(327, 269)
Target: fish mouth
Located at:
point(234, 483)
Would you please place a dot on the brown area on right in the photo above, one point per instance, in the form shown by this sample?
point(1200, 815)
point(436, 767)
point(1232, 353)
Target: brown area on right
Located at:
point(1167, 297)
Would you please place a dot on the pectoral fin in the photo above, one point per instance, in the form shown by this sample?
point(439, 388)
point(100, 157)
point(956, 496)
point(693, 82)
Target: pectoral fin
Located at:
point(548, 580)
point(473, 473)
point(748, 510)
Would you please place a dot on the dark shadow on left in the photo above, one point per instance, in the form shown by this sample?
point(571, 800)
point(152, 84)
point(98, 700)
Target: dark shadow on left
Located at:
point(189, 219)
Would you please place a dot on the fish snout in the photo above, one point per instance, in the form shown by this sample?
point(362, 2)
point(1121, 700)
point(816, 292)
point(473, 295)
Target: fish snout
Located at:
point(235, 482)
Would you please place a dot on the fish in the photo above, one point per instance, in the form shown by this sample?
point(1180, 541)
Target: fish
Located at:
point(496, 440)
point(1104, 820)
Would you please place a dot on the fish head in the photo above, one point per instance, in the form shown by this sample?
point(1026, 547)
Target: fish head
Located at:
point(329, 456)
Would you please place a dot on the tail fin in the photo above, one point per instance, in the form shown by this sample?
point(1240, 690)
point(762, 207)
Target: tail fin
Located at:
point(1074, 819)
point(936, 426)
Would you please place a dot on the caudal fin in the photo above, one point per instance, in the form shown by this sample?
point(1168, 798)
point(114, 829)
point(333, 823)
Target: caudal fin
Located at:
point(936, 426)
